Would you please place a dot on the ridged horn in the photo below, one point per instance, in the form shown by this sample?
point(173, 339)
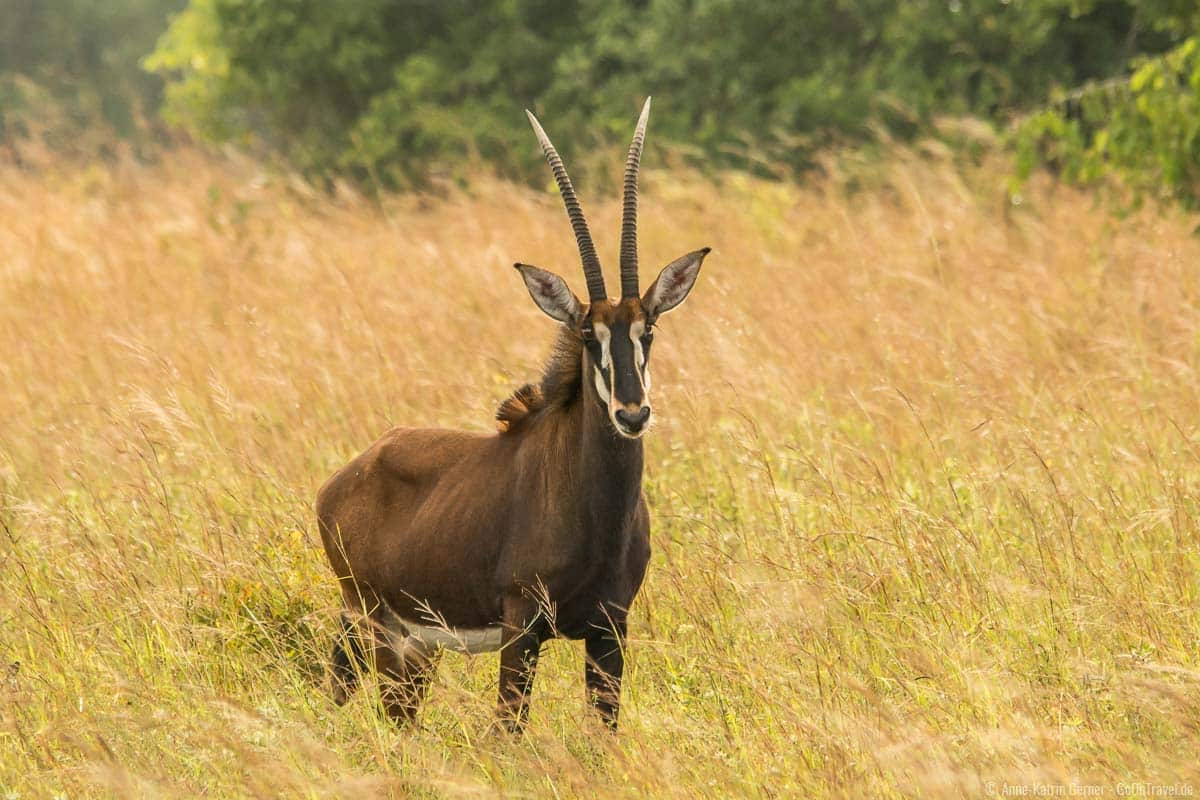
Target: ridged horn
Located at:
point(629, 208)
point(587, 250)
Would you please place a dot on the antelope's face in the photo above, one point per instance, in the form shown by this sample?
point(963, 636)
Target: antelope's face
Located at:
point(617, 336)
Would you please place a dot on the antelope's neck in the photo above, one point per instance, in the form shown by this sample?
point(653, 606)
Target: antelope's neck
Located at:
point(611, 465)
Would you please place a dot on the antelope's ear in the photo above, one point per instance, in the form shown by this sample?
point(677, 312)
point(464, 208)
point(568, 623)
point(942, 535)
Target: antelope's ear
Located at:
point(551, 293)
point(673, 283)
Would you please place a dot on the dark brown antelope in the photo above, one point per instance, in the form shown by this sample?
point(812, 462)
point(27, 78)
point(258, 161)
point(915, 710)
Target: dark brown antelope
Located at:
point(472, 542)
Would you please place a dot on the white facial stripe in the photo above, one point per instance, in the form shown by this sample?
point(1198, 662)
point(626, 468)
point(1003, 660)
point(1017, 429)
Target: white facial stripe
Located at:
point(635, 335)
point(636, 331)
point(601, 386)
point(604, 337)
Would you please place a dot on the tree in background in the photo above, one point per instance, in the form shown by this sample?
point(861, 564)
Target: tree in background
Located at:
point(1143, 128)
point(394, 90)
point(66, 65)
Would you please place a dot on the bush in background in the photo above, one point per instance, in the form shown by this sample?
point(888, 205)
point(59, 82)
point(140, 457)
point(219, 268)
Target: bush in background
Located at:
point(393, 90)
point(71, 65)
point(1143, 129)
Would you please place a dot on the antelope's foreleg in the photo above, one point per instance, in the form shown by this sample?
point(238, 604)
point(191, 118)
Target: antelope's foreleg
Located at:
point(518, 661)
point(605, 664)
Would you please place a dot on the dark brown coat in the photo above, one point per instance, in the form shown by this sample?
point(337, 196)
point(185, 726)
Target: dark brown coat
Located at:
point(543, 526)
point(480, 542)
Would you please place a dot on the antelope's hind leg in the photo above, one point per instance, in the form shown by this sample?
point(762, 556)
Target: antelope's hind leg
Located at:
point(347, 662)
point(403, 664)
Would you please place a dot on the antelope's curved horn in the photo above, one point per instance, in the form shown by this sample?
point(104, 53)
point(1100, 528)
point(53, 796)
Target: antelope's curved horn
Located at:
point(587, 250)
point(629, 208)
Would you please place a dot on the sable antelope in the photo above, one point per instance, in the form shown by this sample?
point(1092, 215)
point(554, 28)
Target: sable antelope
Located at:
point(471, 542)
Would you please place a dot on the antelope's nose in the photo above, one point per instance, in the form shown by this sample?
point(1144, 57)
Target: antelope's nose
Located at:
point(635, 421)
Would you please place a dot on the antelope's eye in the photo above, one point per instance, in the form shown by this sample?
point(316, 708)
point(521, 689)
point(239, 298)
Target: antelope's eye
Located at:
point(587, 332)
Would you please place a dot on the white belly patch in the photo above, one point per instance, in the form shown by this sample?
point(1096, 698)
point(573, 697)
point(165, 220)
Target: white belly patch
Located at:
point(406, 633)
point(458, 640)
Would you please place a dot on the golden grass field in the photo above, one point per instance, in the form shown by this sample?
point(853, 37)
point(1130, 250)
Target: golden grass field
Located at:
point(924, 485)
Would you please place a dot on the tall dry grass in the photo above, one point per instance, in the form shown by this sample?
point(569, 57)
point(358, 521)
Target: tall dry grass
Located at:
point(924, 487)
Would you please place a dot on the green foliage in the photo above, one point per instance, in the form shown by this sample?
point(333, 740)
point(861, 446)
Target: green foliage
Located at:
point(395, 90)
point(67, 64)
point(1144, 130)
point(1142, 127)
point(192, 45)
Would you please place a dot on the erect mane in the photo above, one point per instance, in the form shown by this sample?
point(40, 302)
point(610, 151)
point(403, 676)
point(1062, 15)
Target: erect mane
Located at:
point(559, 386)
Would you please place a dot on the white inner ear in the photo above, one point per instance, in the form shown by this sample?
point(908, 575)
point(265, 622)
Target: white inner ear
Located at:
point(674, 283)
point(551, 294)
